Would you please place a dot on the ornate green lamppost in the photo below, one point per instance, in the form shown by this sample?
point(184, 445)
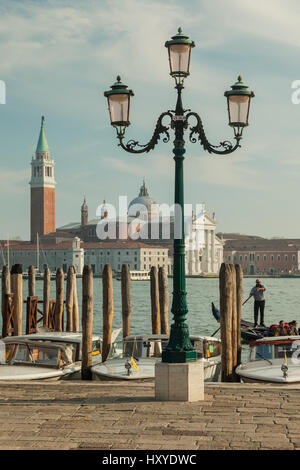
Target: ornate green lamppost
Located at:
point(180, 348)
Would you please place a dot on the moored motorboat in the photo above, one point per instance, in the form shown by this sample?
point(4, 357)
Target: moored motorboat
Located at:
point(272, 360)
point(25, 359)
point(140, 354)
point(66, 337)
point(48, 355)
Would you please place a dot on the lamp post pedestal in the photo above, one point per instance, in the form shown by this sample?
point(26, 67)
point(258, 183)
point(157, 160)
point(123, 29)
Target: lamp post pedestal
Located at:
point(179, 382)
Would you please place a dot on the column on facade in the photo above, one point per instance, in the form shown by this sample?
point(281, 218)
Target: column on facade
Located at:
point(213, 250)
point(192, 253)
point(197, 254)
point(207, 252)
point(187, 255)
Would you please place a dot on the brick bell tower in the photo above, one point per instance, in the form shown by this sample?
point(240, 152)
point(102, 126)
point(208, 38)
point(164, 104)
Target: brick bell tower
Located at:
point(42, 183)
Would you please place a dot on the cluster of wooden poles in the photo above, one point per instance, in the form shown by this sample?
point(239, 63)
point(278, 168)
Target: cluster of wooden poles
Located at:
point(231, 299)
point(12, 298)
point(12, 286)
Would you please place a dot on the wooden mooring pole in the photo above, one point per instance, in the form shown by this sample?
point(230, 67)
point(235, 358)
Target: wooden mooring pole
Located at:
point(5, 285)
point(225, 284)
point(70, 298)
point(46, 297)
point(239, 303)
point(108, 310)
point(87, 323)
point(31, 281)
point(5, 291)
point(163, 300)
point(75, 305)
point(231, 294)
point(154, 292)
point(17, 290)
point(126, 299)
point(235, 377)
point(59, 307)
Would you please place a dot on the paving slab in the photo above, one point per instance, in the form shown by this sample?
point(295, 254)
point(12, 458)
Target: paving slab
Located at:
point(122, 415)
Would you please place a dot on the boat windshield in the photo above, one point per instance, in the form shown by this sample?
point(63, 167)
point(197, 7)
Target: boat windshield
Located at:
point(261, 352)
point(287, 350)
point(34, 355)
point(275, 351)
point(137, 348)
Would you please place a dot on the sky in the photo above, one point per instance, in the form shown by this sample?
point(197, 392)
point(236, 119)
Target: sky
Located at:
point(57, 59)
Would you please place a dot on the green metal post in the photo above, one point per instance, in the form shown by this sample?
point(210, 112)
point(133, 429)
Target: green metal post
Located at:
point(180, 348)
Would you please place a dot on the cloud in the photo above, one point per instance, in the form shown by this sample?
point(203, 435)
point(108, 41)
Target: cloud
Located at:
point(48, 34)
point(213, 170)
point(154, 166)
point(13, 181)
point(222, 171)
point(273, 20)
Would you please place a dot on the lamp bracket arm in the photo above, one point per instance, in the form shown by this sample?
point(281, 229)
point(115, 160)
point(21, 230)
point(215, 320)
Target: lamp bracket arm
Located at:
point(133, 146)
point(227, 146)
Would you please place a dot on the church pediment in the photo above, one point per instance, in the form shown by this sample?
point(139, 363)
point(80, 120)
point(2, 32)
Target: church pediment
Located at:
point(205, 219)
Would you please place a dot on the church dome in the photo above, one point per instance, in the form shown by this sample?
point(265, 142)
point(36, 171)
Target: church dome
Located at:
point(139, 205)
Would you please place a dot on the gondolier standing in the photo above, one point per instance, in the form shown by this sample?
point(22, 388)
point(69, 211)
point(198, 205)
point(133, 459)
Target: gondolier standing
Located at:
point(259, 302)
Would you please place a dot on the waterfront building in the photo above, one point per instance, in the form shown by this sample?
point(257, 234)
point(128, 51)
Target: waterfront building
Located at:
point(61, 255)
point(260, 256)
point(42, 190)
point(138, 255)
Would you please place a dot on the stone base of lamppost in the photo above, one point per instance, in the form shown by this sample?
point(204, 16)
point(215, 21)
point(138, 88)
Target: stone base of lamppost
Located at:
point(179, 382)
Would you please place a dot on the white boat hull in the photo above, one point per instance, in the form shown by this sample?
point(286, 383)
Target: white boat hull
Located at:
point(263, 371)
point(18, 372)
point(115, 370)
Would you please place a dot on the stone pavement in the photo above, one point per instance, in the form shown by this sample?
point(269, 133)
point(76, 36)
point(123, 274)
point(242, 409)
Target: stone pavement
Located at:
point(121, 415)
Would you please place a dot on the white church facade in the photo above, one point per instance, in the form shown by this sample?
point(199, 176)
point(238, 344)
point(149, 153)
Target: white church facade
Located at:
point(203, 249)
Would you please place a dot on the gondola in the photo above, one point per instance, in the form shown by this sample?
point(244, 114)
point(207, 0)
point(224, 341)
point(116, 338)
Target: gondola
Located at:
point(248, 332)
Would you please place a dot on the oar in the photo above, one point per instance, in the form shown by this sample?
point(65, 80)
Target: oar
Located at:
point(216, 331)
point(247, 299)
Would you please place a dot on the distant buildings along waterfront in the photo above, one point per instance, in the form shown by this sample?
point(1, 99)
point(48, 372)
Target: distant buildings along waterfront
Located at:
point(139, 256)
point(261, 256)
